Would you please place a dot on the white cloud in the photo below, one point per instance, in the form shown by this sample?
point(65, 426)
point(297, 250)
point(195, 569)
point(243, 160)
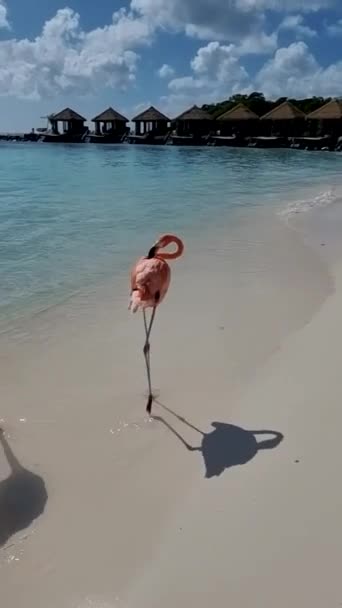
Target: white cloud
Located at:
point(327, 81)
point(258, 43)
point(188, 84)
point(66, 58)
point(306, 6)
point(204, 19)
point(294, 71)
point(295, 23)
point(216, 73)
point(287, 71)
point(255, 42)
point(166, 71)
point(335, 29)
point(231, 20)
point(218, 63)
point(3, 15)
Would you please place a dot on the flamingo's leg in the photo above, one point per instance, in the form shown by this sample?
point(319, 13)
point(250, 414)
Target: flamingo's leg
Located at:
point(148, 328)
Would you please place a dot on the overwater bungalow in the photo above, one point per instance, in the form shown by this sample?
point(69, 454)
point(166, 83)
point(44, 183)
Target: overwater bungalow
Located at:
point(235, 125)
point(327, 120)
point(192, 127)
point(285, 121)
point(73, 129)
point(151, 127)
point(110, 128)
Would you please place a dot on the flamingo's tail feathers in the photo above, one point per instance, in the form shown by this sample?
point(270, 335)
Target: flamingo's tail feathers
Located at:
point(135, 301)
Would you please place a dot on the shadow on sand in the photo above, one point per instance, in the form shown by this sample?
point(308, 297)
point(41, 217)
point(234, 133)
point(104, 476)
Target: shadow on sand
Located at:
point(22, 496)
point(226, 446)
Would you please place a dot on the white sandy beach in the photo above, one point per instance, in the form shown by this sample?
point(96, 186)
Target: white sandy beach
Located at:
point(133, 518)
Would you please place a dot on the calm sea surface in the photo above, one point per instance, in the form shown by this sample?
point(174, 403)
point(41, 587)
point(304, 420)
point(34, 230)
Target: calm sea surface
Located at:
point(71, 216)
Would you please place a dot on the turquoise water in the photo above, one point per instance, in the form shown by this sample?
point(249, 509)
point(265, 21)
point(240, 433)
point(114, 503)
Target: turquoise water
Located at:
point(74, 215)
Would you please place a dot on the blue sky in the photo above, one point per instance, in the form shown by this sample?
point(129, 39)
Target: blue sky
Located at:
point(169, 53)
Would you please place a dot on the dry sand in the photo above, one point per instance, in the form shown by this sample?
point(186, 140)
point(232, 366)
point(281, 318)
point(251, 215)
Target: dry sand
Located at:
point(134, 518)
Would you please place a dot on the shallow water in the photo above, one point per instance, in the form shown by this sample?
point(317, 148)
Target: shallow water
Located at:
point(73, 216)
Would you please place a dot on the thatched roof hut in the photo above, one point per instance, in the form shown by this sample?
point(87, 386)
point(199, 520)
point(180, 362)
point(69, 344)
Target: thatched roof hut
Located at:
point(110, 115)
point(151, 115)
point(327, 120)
point(110, 124)
point(151, 120)
point(72, 122)
point(239, 121)
point(67, 115)
point(194, 124)
point(285, 111)
point(329, 111)
point(194, 113)
point(284, 120)
point(240, 112)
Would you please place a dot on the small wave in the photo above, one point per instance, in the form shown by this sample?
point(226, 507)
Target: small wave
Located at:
point(302, 206)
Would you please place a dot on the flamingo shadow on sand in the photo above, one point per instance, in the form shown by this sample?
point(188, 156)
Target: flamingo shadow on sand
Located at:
point(22, 496)
point(226, 446)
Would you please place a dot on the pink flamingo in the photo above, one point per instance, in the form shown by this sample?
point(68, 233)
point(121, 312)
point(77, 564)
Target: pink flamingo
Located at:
point(150, 280)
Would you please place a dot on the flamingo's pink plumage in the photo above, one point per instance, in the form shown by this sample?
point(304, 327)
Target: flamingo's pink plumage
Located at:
point(150, 277)
point(150, 282)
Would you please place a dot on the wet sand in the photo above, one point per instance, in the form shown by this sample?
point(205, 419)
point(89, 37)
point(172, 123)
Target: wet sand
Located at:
point(230, 493)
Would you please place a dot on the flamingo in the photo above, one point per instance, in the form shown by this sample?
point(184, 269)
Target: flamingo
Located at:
point(150, 280)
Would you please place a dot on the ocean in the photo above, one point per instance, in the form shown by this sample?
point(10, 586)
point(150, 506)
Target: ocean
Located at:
point(74, 216)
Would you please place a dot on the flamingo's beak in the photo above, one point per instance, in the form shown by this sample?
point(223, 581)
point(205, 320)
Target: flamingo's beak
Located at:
point(152, 252)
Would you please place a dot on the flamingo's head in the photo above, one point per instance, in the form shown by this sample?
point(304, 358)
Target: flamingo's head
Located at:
point(164, 241)
point(161, 243)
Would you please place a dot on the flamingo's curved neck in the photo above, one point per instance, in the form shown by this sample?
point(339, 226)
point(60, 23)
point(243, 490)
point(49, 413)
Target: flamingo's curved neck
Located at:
point(173, 255)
